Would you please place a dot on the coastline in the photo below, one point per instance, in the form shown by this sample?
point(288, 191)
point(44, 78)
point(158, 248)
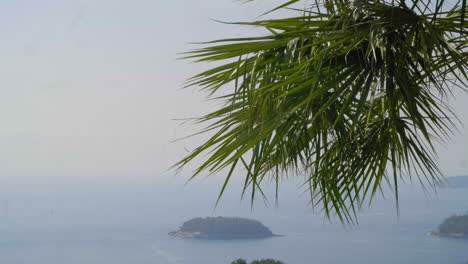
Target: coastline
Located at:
point(199, 235)
point(443, 234)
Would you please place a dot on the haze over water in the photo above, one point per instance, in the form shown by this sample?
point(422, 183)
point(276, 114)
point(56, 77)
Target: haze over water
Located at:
point(124, 221)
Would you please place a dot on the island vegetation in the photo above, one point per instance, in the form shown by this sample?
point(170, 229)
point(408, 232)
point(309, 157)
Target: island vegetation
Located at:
point(222, 228)
point(454, 226)
point(262, 261)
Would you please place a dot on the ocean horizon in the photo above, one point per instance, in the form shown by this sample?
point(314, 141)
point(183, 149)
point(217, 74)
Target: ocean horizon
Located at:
point(129, 223)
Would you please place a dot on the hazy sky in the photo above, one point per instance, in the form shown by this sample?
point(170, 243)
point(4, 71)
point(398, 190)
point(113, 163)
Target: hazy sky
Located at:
point(92, 88)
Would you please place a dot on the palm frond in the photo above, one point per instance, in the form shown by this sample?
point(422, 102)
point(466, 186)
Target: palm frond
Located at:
point(351, 98)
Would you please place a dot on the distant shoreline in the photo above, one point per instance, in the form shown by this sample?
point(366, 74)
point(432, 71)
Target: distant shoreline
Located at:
point(443, 234)
point(199, 235)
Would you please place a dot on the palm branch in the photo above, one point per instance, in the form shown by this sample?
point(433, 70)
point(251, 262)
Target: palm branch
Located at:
point(352, 96)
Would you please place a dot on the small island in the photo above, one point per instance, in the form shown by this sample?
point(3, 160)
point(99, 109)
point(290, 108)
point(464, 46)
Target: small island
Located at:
point(222, 228)
point(455, 226)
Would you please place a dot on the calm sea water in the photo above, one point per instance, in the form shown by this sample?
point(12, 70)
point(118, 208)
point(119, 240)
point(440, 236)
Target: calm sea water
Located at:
point(125, 222)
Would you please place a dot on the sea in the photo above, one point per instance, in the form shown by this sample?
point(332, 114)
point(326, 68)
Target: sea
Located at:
point(127, 220)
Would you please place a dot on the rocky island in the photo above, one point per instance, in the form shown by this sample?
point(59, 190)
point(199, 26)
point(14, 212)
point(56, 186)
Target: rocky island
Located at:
point(222, 228)
point(454, 226)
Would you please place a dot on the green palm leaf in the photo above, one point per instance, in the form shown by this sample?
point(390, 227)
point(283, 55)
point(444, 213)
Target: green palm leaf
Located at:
point(351, 96)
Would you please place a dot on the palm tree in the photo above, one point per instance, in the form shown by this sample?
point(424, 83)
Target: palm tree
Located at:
point(351, 94)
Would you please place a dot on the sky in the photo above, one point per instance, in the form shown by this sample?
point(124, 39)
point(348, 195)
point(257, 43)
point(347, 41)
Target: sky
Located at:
point(94, 88)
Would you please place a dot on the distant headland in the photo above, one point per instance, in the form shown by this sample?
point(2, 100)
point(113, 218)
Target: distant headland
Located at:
point(222, 228)
point(455, 226)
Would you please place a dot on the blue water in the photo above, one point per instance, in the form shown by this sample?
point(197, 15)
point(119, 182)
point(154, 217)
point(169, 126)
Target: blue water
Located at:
point(128, 223)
